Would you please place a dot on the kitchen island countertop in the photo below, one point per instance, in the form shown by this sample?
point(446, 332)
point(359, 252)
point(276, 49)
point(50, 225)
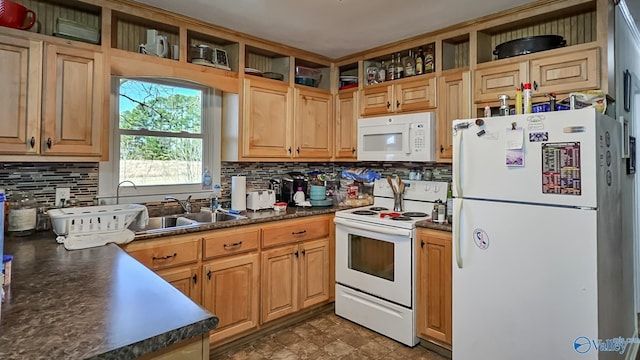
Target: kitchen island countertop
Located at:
point(97, 303)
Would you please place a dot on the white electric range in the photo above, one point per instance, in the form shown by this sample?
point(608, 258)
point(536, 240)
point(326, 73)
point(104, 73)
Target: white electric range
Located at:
point(375, 258)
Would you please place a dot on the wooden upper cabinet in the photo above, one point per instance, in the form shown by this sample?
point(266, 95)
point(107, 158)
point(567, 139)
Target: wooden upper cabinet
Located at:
point(579, 70)
point(415, 94)
point(493, 81)
point(20, 76)
point(313, 124)
point(346, 134)
point(72, 101)
point(404, 95)
point(454, 103)
point(267, 125)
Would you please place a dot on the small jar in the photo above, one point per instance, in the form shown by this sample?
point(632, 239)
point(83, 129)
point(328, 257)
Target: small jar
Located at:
point(42, 220)
point(22, 213)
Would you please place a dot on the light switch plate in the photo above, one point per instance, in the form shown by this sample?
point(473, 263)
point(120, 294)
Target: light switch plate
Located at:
point(62, 193)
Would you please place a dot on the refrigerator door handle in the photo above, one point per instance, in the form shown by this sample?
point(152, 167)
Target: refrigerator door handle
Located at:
point(457, 143)
point(457, 212)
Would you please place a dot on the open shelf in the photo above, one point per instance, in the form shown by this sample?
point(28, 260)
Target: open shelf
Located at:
point(455, 52)
point(130, 32)
point(325, 70)
point(48, 11)
point(347, 70)
point(267, 61)
point(577, 25)
point(385, 60)
point(229, 48)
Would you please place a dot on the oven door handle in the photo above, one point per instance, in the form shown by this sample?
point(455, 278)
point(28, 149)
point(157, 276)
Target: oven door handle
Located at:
point(372, 228)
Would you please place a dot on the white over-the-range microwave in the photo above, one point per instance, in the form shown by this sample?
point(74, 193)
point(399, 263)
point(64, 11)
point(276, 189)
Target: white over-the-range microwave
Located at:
point(406, 137)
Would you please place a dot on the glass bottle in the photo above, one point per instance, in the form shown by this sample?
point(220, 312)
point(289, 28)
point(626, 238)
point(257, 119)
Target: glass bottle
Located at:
point(22, 213)
point(409, 64)
point(391, 69)
point(420, 61)
point(450, 204)
point(382, 72)
point(429, 59)
point(399, 68)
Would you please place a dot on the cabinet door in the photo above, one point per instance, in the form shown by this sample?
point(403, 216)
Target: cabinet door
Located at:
point(20, 75)
point(574, 71)
point(434, 285)
point(454, 103)
point(267, 125)
point(185, 279)
point(314, 124)
point(377, 101)
point(314, 272)
point(490, 82)
point(279, 282)
point(72, 101)
point(346, 125)
point(419, 94)
point(231, 291)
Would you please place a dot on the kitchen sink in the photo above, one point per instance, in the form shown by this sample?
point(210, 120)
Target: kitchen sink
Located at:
point(170, 222)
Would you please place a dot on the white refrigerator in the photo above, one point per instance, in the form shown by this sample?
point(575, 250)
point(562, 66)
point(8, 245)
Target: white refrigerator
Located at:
point(536, 237)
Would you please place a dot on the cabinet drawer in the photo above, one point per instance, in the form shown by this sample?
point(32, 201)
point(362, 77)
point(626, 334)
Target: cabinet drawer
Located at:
point(295, 231)
point(160, 254)
point(228, 242)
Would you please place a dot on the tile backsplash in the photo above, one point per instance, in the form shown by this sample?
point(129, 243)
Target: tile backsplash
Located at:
point(43, 178)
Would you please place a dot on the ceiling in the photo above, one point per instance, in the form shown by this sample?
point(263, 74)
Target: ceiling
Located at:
point(336, 28)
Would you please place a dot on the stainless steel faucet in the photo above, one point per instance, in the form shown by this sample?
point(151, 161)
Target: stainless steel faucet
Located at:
point(186, 204)
point(118, 189)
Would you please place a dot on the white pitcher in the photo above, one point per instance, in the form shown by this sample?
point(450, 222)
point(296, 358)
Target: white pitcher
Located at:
point(157, 44)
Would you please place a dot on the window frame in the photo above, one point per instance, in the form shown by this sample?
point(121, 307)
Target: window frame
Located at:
point(108, 173)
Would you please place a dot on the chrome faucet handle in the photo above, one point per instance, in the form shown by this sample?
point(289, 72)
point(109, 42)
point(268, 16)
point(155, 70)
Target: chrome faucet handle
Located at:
point(187, 204)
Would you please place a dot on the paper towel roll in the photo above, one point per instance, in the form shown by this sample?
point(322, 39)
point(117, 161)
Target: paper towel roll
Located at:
point(239, 193)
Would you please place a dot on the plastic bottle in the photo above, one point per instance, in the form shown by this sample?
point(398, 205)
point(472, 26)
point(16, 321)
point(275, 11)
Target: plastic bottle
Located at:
point(206, 180)
point(298, 197)
point(487, 111)
point(526, 94)
point(518, 101)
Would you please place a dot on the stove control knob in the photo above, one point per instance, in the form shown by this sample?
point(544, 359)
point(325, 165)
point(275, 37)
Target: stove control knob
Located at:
point(436, 189)
point(426, 188)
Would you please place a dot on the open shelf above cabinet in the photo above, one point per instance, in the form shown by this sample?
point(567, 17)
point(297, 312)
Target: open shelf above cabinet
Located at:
point(258, 61)
point(377, 69)
point(224, 53)
point(130, 33)
point(455, 52)
point(348, 76)
point(577, 25)
point(312, 74)
point(75, 18)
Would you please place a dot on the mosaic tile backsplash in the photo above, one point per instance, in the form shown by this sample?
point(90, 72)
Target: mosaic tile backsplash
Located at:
point(43, 178)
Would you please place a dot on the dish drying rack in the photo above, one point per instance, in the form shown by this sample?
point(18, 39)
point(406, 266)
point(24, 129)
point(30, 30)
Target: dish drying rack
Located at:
point(93, 219)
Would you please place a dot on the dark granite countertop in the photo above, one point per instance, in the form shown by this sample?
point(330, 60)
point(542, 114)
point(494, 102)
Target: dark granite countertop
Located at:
point(431, 225)
point(97, 303)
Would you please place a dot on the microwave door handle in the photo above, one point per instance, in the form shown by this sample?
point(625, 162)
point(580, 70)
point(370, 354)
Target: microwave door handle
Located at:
point(406, 145)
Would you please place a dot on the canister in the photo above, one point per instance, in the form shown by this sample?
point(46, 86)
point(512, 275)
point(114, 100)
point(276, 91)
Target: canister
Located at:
point(22, 213)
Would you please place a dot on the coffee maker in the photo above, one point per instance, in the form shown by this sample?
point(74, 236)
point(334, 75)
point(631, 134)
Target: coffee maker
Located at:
point(275, 185)
point(290, 183)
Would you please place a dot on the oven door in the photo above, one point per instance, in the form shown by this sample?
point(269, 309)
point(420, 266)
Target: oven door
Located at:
point(375, 259)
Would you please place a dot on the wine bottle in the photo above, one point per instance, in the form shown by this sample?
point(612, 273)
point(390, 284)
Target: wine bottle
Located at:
point(399, 68)
point(409, 65)
point(420, 61)
point(391, 70)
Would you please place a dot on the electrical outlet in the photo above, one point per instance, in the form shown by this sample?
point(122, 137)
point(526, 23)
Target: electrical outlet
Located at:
point(62, 193)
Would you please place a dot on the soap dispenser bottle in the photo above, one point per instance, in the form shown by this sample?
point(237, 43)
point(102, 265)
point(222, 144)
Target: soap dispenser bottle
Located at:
point(298, 197)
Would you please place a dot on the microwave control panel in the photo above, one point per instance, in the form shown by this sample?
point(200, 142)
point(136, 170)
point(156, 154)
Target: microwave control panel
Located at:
point(418, 137)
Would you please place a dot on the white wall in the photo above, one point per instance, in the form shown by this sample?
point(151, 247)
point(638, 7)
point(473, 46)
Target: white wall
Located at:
point(627, 55)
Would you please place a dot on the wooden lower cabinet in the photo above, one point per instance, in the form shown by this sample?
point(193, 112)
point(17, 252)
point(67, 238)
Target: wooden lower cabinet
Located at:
point(196, 348)
point(231, 292)
point(294, 277)
point(433, 261)
point(186, 279)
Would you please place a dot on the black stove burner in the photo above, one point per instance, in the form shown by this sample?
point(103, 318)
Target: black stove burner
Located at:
point(414, 214)
point(401, 218)
point(378, 208)
point(364, 212)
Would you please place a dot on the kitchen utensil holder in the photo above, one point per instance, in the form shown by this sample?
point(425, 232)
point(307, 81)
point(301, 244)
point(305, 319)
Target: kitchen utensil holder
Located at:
point(398, 202)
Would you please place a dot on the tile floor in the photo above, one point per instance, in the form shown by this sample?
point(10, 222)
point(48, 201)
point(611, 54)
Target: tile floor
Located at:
point(327, 337)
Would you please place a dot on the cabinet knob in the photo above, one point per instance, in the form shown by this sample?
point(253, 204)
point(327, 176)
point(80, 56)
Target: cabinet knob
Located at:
point(49, 143)
point(296, 253)
point(32, 142)
point(422, 244)
point(441, 149)
point(535, 85)
point(388, 105)
point(209, 274)
point(353, 150)
point(289, 149)
point(397, 103)
point(298, 150)
point(304, 252)
point(195, 278)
